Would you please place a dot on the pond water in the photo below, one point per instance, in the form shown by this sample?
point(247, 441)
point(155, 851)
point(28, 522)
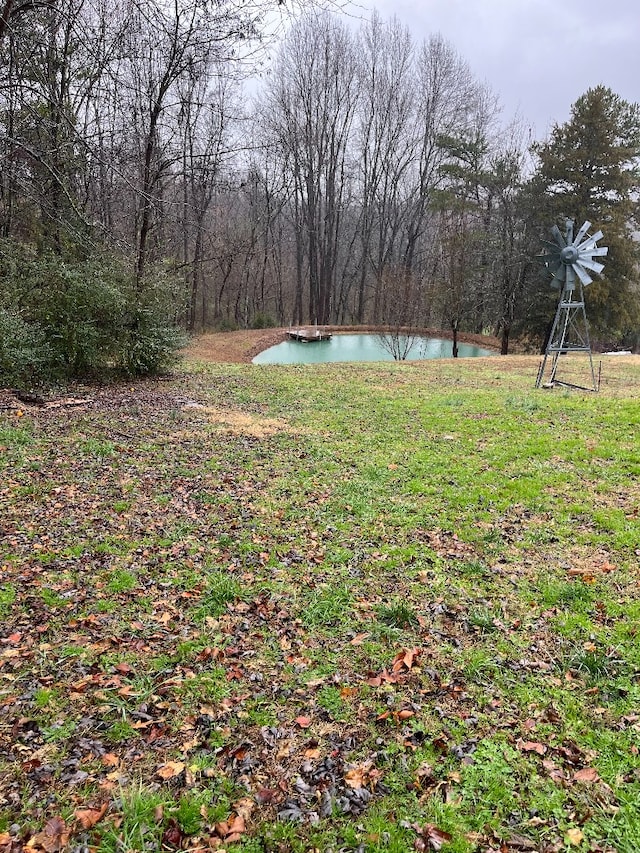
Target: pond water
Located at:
point(359, 348)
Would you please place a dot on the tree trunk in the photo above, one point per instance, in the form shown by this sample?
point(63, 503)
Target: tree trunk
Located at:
point(504, 344)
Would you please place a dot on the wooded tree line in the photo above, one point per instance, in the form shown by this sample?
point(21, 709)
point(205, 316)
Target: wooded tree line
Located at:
point(367, 179)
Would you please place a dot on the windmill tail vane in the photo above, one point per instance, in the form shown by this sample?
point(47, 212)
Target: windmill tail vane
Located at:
point(570, 260)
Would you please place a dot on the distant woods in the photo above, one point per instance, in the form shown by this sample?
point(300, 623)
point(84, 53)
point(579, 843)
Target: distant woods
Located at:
point(367, 178)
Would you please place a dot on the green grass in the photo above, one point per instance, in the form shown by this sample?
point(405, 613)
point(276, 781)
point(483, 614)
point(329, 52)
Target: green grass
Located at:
point(424, 577)
point(7, 597)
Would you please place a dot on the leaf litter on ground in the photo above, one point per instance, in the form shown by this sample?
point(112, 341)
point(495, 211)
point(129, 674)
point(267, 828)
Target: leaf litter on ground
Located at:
point(189, 611)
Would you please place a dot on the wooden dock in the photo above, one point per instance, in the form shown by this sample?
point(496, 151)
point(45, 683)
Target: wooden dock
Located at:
point(307, 336)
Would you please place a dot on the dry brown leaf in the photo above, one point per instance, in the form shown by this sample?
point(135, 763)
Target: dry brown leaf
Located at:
point(54, 837)
point(574, 836)
point(531, 746)
point(88, 818)
point(430, 837)
point(170, 770)
point(587, 774)
point(405, 714)
point(244, 807)
point(231, 829)
point(355, 777)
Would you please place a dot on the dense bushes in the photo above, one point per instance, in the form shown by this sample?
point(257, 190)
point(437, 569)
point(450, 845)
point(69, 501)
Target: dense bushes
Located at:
point(24, 351)
point(81, 318)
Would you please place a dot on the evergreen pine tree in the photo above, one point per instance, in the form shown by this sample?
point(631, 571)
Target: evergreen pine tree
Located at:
point(587, 170)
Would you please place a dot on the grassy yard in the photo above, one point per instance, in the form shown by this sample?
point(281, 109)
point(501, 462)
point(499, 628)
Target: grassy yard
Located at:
point(334, 608)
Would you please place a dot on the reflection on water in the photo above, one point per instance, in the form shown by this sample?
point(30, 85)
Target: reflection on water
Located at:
point(359, 348)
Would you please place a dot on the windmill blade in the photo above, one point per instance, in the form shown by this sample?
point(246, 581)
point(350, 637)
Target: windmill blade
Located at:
point(569, 232)
point(582, 274)
point(557, 236)
point(560, 275)
point(588, 264)
point(581, 233)
point(597, 253)
point(591, 241)
point(552, 262)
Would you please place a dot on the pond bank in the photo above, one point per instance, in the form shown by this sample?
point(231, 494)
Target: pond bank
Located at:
point(241, 346)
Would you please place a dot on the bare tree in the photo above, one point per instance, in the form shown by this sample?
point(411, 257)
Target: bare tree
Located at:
point(506, 227)
point(403, 310)
point(385, 147)
point(448, 94)
point(207, 114)
point(313, 96)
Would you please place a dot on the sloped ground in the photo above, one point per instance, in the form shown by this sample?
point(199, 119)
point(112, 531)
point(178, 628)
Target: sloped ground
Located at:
point(359, 608)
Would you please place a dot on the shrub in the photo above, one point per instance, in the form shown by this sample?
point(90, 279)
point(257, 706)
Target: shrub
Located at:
point(25, 355)
point(152, 347)
point(81, 306)
point(263, 321)
point(67, 318)
point(152, 341)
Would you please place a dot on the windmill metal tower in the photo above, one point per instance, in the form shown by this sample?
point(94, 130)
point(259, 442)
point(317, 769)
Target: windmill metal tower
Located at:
point(570, 259)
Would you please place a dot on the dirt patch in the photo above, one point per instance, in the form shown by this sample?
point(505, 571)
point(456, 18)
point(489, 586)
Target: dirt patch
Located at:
point(241, 423)
point(233, 347)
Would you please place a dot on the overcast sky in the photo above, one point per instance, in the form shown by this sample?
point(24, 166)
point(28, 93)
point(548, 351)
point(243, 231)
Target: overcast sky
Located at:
point(539, 56)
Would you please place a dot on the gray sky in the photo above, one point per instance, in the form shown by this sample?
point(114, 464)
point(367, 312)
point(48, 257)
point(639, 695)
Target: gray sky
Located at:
point(539, 56)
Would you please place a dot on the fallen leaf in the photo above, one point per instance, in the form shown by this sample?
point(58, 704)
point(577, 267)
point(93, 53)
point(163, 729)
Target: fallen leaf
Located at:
point(244, 807)
point(531, 746)
point(172, 836)
point(574, 836)
point(231, 829)
point(405, 659)
point(363, 775)
point(303, 722)
point(88, 818)
point(556, 773)
point(355, 777)
point(430, 837)
point(405, 714)
point(587, 774)
point(267, 795)
point(170, 770)
point(54, 837)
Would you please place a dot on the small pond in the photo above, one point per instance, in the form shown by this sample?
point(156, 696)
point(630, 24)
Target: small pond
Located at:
point(359, 348)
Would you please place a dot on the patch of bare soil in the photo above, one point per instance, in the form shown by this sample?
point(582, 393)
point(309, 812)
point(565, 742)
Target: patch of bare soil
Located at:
point(240, 423)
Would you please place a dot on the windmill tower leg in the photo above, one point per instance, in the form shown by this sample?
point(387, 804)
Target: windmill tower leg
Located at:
point(569, 334)
point(570, 260)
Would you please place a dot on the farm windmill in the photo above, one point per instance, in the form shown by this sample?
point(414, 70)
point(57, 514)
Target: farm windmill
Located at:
point(570, 260)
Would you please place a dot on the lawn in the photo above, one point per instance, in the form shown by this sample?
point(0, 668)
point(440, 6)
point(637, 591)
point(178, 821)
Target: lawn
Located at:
point(336, 608)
